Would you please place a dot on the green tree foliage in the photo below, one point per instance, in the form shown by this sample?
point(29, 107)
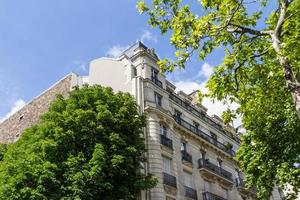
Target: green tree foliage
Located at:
point(87, 146)
point(260, 72)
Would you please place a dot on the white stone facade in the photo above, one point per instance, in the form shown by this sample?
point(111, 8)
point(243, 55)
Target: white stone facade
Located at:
point(207, 140)
point(203, 167)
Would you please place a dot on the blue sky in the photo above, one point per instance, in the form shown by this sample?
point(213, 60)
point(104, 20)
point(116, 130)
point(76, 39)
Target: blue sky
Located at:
point(42, 41)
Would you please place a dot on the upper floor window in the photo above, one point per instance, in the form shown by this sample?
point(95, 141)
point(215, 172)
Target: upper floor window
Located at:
point(158, 99)
point(167, 165)
point(134, 71)
point(154, 77)
point(220, 162)
point(203, 154)
point(177, 114)
point(214, 137)
point(154, 74)
point(187, 178)
point(163, 130)
point(196, 125)
point(184, 146)
point(228, 146)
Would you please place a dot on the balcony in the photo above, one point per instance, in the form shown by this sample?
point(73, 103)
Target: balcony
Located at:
point(156, 81)
point(169, 180)
point(203, 135)
point(240, 184)
point(190, 193)
point(209, 169)
point(199, 114)
point(211, 196)
point(187, 157)
point(164, 140)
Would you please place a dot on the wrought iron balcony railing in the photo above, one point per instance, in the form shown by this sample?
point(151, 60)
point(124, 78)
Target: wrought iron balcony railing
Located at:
point(211, 196)
point(166, 141)
point(187, 157)
point(199, 114)
point(215, 169)
point(169, 180)
point(156, 81)
point(203, 135)
point(190, 192)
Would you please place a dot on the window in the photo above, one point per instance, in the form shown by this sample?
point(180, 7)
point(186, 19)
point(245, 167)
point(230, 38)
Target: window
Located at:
point(237, 173)
point(220, 162)
point(187, 178)
point(214, 137)
point(167, 165)
point(183, 146)
point(196, 125)
point(158, 99)
point(177, 113)
point(203, 154)
point(228, 146)
point(134, 71)
point(163, 130)
point(177, 116)
point(154, 74)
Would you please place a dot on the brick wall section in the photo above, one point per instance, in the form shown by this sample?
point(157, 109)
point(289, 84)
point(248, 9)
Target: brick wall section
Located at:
point(12, 128)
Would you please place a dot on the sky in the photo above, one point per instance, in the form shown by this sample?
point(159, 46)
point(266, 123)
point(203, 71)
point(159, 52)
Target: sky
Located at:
point(42, 41)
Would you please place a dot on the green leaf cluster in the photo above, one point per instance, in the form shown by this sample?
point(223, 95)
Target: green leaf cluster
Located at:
point(87, 146)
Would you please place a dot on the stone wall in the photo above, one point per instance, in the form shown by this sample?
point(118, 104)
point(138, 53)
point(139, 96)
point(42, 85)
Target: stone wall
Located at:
point(12, 127)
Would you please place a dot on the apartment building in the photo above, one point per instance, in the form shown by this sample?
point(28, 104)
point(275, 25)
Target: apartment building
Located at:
point(190, 152)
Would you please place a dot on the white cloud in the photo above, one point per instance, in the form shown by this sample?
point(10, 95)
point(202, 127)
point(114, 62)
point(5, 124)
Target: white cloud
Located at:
point(216, 107)
point(116, 51)
point(206, 70)
point(17, 106)
point(148, 36)
point(190, 86)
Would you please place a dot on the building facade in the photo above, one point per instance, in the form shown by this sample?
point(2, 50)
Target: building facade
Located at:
point(190, 152)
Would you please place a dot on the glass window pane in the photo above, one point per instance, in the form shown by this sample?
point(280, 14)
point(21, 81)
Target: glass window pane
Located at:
point(167, 165)
point(187, 179)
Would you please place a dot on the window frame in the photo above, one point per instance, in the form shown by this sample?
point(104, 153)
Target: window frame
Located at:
point(167, 168)
point(154, 74)
point(158, 99)
point(163, 130)
point(188, 179)
point(183, 146)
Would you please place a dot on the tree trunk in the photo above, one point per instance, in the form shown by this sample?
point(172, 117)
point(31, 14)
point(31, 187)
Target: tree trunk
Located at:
point(291, 82)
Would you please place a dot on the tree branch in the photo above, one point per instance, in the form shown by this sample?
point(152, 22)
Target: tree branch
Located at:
point(260, 54)
point(281, 19)
point(242, 29)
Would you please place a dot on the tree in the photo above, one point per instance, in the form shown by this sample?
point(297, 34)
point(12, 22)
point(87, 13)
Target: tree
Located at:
point(87, 146)
point(260, 72)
